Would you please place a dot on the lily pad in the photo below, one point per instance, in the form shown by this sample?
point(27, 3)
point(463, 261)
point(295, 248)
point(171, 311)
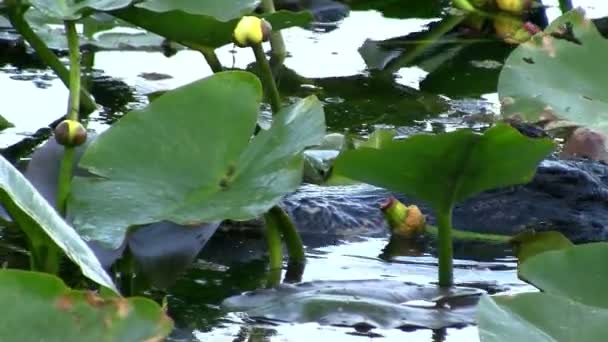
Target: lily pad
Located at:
point(531, 243)
point(54, 312)
point(197, 30)
point(188, 159)
point(572, 306)
point(162, 251)
point(72, 9)
point(557, 71)
point(37, 217)
point(219, 9)
point(391, 304)
point(447, 168)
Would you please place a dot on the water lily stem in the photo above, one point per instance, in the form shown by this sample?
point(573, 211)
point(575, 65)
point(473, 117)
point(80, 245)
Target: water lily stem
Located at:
point(273, 240)
point(294, 244)
point(15, 15)
point(276, 38)
point(445, 248)
point(272, 92)
point(211, 58)
point(74, 53)
point(67, 162)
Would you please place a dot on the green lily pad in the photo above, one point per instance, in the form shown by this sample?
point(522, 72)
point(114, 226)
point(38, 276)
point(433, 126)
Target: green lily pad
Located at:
point(572, 306)
point(197, 30)
point(540, 317)
point(72, 9)
point(38, 218)
point(446, 168)
point(188, 159)
point(219, 9)
point(531, 243)
point(391, 304)
point(558, 71)
point(54, 312)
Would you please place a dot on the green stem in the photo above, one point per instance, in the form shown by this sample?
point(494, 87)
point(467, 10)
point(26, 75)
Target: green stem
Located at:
point(294, 244)
point(74, 53)
point(276, 38)
point(273, 240)
point(463, 235)
point(65, 179)
point(212, 60)
point(67, 162)
point(445, 248)
point(15, 15)
point(272, 91)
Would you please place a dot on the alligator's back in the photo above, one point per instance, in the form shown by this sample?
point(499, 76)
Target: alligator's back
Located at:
point(569, 196)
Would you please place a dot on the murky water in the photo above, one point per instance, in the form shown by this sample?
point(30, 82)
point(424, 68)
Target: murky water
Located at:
point(441, 91)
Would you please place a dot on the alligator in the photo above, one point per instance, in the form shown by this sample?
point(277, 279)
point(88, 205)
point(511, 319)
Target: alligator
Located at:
point(569, 196)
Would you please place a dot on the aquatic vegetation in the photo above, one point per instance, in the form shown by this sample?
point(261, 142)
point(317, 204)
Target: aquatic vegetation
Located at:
point(445, 169)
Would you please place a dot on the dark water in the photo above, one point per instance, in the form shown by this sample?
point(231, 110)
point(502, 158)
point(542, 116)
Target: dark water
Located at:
point(451, 85)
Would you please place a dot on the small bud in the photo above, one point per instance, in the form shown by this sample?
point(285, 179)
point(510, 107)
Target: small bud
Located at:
point(511, 29)
point(406, 221)
point(250, 31)
point(70, 133)
point(513, 6)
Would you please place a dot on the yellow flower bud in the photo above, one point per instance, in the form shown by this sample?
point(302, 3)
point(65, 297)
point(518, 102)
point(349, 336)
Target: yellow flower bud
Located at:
point(513, 6)
point(406, 221)
point(70, 133)
point(250, 31)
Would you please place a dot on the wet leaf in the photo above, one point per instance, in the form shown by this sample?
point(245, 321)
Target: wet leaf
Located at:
point(38, 218)
point(198, 163)
point(447, 168)
point(559, 71)
point(54, 312)
point(391, 304)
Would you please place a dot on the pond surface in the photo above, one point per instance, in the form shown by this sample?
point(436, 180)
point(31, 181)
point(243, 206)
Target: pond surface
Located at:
point(450, 86)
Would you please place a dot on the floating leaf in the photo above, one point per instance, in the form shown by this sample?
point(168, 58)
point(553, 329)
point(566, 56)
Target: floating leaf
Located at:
point(54, 312)
point(26, 206)
point(197, 163)
point(446, 168)
point(556, 73)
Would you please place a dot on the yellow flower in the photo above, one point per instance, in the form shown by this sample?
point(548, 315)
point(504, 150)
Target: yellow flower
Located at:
point(250, 31)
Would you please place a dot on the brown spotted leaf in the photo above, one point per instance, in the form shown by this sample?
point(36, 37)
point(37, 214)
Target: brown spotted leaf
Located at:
point(560, 71)
point(54, 312)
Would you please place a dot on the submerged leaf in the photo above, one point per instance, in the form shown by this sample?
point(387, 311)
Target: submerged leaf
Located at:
point(197, 163)
point(391, 304)
point(54, 312)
